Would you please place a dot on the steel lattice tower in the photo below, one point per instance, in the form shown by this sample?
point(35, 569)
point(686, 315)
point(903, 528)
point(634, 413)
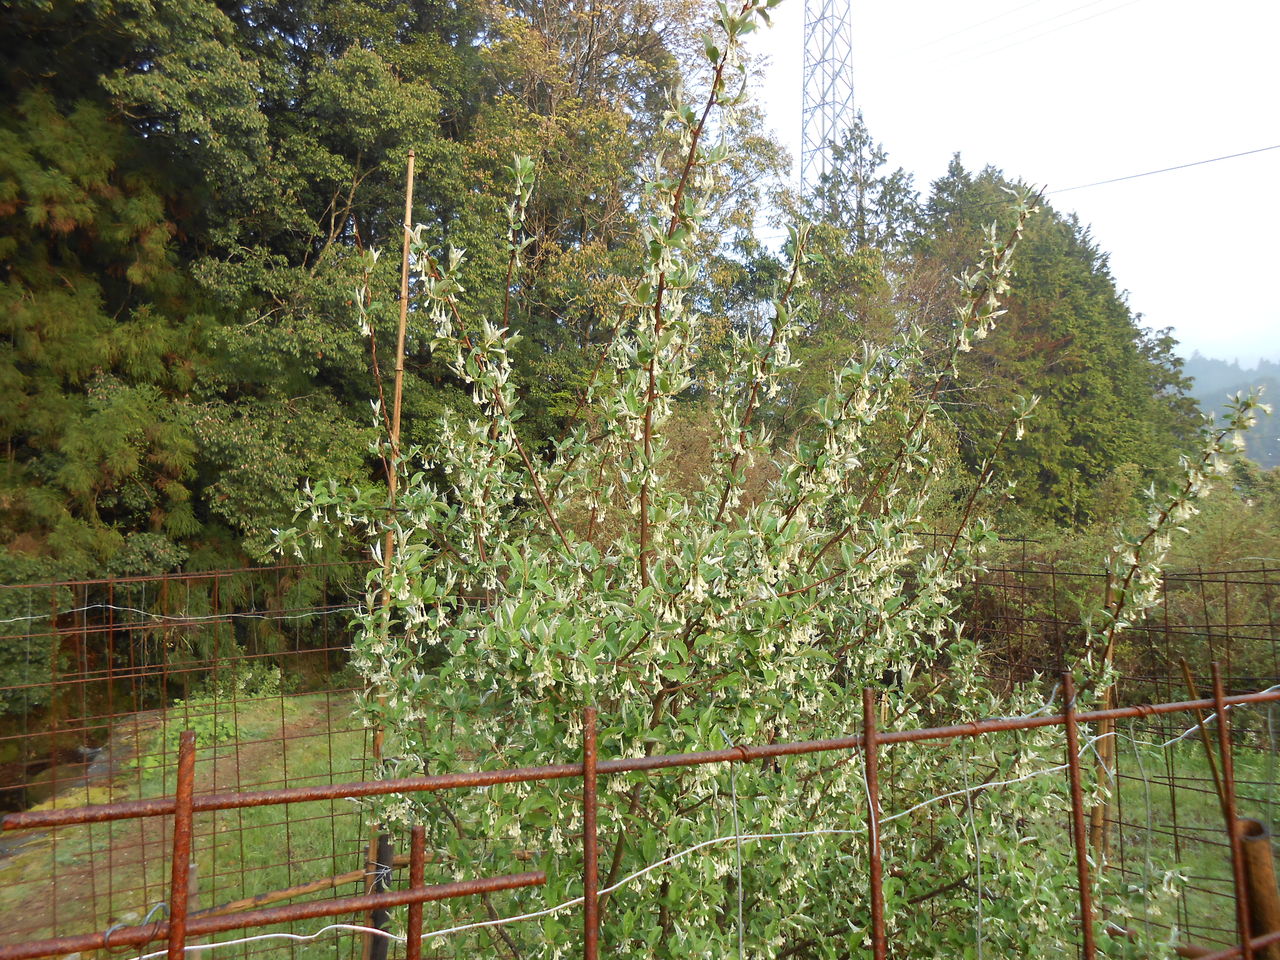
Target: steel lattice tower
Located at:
point(828, 83)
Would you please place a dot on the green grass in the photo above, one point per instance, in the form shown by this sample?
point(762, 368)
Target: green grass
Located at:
point(83, 878)
point(1147, 844)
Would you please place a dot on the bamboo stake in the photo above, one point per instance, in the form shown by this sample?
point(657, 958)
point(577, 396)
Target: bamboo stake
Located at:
point(1088, 944)
point(319, 885)
point(1194, 694)
point(1099, 834)
point(393, 477)
point(288, 893)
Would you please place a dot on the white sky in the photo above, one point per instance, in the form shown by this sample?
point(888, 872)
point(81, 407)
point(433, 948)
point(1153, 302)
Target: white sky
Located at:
point(1067, 92)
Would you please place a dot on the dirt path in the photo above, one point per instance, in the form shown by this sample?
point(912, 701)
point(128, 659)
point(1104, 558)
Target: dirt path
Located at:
point(83, 878)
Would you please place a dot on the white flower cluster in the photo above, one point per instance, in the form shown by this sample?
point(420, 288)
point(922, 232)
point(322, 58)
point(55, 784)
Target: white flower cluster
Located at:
point(515, 587)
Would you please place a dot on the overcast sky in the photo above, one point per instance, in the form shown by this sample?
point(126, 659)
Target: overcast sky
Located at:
point(1068, 92)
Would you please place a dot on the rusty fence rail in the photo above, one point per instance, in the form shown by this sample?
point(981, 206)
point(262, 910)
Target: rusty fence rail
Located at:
point(871, 741)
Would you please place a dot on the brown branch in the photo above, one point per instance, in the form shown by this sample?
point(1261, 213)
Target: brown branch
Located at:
point(633, 805)
point(1123, 592)
point(504, 410)
point(977, 488)
point(651, 391)
point(488, 904)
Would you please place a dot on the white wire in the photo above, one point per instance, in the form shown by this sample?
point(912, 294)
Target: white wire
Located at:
point(665, 861)
point(295, 937)
point(177, 619)
point(1053, 695)
point(735, 837)
point(981, 786)
point(1191, 730)
point(1147, 867)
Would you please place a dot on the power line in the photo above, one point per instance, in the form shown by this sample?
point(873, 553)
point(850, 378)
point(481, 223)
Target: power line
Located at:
point(975, 26)
point(1029, 26)
point(1062, 26)
point(1102, 183)
point(1181, 166)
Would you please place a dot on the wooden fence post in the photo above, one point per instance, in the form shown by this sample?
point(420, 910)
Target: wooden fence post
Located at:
point(1260, 878)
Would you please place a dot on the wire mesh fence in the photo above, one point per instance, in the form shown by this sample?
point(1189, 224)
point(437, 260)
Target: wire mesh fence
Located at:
point(1164, 806)
point(99, 679)
point(102, 677)
point(1029, 616)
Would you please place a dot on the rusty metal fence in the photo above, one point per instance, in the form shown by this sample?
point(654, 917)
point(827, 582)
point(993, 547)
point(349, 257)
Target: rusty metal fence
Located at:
point(1028, 617)
point(107, 805)
point(97, 680)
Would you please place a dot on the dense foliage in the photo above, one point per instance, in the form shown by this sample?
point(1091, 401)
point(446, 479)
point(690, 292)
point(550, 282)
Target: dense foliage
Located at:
point(1113, 394)
point(187, 190)
point(646, 463)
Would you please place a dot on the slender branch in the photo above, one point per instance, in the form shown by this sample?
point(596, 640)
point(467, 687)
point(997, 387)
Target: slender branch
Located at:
point(1122, 595)
point(651, 392)
point(978, 487)
point(756, 383)
point(566, 467)
point(501, 404)
point(489, 908)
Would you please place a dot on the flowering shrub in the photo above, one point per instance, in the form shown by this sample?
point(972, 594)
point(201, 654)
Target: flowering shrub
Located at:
point(707, 617)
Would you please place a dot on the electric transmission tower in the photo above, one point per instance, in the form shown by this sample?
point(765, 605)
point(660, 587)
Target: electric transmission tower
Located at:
point(828, 84)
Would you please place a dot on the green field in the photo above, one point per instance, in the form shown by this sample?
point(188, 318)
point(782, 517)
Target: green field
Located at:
point(1147, 845)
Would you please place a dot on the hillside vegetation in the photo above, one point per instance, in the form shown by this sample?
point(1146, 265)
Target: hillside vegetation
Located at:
point(719, 493)
point(187, 190)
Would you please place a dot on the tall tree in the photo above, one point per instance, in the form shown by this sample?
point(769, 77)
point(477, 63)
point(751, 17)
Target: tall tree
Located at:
point(188, 194)
point(1112, 392)
point(861, 213)
point(874, 206)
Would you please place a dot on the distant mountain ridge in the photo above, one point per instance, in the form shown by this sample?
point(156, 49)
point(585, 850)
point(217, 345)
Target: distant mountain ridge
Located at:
point(1215, 380)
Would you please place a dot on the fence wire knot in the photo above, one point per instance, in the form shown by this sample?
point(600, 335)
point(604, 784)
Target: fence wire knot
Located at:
point(383, 874)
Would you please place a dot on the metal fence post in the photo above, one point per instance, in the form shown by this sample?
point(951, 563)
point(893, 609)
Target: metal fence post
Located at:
point(180, 876)
point(1077, 817)
point(879, 945)
point(417, 875)
point(1260, 875)
point(590, 847)
point(1229, 814)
